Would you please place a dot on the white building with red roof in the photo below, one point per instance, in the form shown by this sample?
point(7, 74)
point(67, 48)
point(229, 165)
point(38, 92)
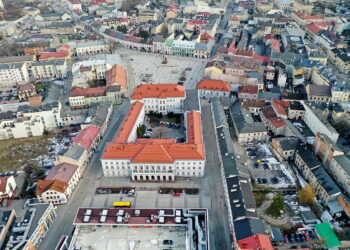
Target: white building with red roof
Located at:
point(211, 88)
point(155, 159)
point(88, 138)
point(160, 98)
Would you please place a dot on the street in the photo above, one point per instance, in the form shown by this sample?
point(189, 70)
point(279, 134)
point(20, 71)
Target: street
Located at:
point(65, 213)
point(218, 220)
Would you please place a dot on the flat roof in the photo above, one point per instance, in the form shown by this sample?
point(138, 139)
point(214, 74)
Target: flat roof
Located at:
point(110, 238)
point(326, 232)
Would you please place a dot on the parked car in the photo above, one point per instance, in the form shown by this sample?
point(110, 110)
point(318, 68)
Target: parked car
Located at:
point(252, 153)
point(296, 237)
point(176, 194)
point(291, 238)
point(307, 237)
point(167, 242)
point(266, 166)
point(264, 181)
point(285, 239)
point(256, 165)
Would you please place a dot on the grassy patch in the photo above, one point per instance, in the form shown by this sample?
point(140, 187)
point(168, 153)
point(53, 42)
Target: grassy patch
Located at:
point(40, 86)
point(259, 197)
point(276, 207)
point(14, 153)
point(171, 118)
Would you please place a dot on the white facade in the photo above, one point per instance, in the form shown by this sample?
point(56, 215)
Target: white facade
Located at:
point(8, 29)
point(12, 74)
point(339, 168)
point(10, 186)
point(318, 125)
point(91, 48)
point(206, 94)
point(21, 128)
point(163, 105)
point(49, 68)
point(52, 196)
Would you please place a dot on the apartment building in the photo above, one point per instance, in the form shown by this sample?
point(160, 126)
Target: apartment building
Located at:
point(160, 98)
point(296, 110)
point(28, 232)
point(25, 90)
point(340, 170)
point(246, 129)
point(59, 184)
point(90, 48)
point(310, 167)
point(49, 69)
point(20, 127)
point(285, 147)
point(7, 29)
point(88, 138)
point(318, 93)
point(325, 149)
point(248, 92)
point(12, 74)
point(84, 97)
point(211, 88)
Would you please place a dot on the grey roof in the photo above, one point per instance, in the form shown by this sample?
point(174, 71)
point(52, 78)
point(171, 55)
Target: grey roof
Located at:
point(326, 181)
point(276, 235)
point(75, 152)
point(269, 96)
point(159, 39)
point(287, 143)
point(11, 66)
point(248, 227)
point(49, 62)
point(99, 112)
point(344, 162)
point(229, 164)
point(201, 46)
point(219, 114)
point(244, 121)
point(39, 211)
point(53, 93)
point(44, 107)
point(308, 216)
point(295, 105)
point(192, 101)
point(308, 156)
point(14, 59)
point(320, 90)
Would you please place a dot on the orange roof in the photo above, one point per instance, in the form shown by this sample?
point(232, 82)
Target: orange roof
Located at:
point(215, 85)
point(277, 122)
point(86, 136)
point(158, 91)
point(56, 185)
point(116, 76)
point(53, 55)
point(156, 150)
point(249, 89)
point(256, 242)
point(280, 107)
point(87, 92)
point(128, 123)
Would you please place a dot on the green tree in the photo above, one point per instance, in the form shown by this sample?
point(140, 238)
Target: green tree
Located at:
point(276, 206)
point(143, 33)
point(122, 29)
point(307, 195)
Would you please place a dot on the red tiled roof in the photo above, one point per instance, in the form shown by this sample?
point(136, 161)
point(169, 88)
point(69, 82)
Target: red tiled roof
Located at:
point(205, 36)
point(256, 242)
point(128, 123)
point(234, 18)
point(247, 53)
point(280, 107)
point(87, 92)
point(116, 76)
point(157, 91)
point(98, 2)
point(196, 21)
point(203, 13)
point(62, 172)
point(249, 89)
point(262, 58)
point(313, 28)
point(306, 17)
point(86, 136)
point(124, 20)
point(268, 112)
point(277, 122)
point(56, 185)
point(215, 85)
point(275, 45)
point(159, 150)
point(25, 87)
point(53, 55)
point(268, 36)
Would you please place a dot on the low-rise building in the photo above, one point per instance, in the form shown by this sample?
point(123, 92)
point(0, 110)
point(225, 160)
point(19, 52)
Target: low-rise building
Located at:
point(89, 138)
point(90, 48)
point(285, 147)
point(59, 184)
point(318, 93)
point(8, 187)
point(25, 90)
point(160, 98)
point(211, 88)
point(248, 92)
point(7, 220)
point(296, 110)
point(246, 129)
point(117, 76)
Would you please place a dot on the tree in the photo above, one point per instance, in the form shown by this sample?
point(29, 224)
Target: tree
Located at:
point(276, 206)
point(143, 33)
point(307, 195)
point(122, 28)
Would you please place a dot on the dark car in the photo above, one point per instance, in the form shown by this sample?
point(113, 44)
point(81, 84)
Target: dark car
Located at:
point(251, 153)
point(285, 237)
point(297, 239)
point(266, 166)
point(256, 165)
point(264, 181)
point(167, 242)
point(291, 238)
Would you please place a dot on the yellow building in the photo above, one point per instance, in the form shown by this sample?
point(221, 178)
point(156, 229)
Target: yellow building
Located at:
point(322, 58)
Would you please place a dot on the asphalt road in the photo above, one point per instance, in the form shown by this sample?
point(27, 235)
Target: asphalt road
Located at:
point(220, 237)
point(65, 213)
